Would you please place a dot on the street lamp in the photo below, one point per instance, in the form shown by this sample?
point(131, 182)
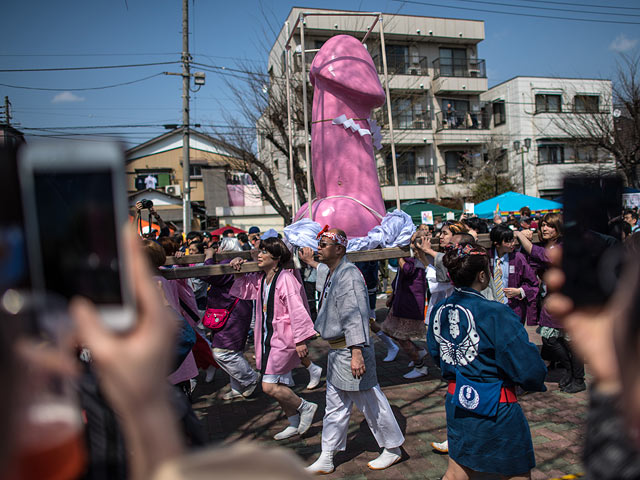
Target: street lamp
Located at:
point(522, 150)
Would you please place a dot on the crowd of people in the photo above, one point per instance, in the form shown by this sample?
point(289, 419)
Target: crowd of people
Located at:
point(468, 304)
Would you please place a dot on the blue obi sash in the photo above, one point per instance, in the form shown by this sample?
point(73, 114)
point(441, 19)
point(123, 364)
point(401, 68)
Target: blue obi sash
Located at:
point(479, 398)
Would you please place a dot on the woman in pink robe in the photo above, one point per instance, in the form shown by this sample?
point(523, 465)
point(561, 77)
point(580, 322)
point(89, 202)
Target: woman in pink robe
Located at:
point(283, 325)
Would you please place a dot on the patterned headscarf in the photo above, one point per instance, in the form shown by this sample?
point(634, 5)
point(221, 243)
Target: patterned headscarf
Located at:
point(339, 239)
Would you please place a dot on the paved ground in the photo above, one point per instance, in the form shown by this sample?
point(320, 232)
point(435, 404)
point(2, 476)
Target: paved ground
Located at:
point(556, 420)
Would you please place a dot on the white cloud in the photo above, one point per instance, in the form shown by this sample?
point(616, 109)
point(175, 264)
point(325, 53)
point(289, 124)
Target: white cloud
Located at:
point(67, 97)
point(623, 44)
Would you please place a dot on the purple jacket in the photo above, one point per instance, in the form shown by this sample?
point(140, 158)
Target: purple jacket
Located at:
point(233, 335)
point(410, 290)
point(540, 261)
point(521, 275)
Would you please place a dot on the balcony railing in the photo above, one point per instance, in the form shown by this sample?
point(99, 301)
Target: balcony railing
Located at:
point(412, 121)
point(425, 175)
point(463, 120)
point(448, 176)
point(421, 175)
point(450, 67)
point(404, 121)
point(400, 64)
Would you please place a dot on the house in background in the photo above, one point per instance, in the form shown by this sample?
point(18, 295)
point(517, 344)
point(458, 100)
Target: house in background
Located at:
point(220, 194)
point(548, 114)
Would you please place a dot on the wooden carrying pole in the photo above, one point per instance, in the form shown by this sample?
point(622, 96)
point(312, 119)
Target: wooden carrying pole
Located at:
point(252, 266)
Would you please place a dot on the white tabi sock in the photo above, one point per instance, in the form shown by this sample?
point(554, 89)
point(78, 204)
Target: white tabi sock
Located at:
point(392, 348)
point(324, 464)
point(291, 430)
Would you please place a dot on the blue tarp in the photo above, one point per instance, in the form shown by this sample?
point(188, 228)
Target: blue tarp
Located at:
point(511, 202)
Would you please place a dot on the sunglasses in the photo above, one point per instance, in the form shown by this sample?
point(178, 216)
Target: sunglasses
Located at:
point(325, 244)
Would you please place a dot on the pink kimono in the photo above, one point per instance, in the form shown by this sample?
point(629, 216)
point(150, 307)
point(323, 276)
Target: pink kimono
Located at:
point(290, 322)
point(188, 368)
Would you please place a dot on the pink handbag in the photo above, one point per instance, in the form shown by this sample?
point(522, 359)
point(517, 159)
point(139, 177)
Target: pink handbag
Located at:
point(216, 318)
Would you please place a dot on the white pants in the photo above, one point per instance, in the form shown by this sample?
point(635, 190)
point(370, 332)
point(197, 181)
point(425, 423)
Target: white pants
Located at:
point(376, 409)
point(240, 372)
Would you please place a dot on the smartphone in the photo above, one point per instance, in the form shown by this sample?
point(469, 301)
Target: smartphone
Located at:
point(14, 272)
point(74, 198)
point(591, 258)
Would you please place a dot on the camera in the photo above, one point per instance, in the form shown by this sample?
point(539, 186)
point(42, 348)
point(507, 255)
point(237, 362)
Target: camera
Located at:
point(146, 203)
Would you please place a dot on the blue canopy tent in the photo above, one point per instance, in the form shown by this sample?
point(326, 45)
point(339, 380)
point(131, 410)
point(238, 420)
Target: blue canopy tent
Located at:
point(511, 202)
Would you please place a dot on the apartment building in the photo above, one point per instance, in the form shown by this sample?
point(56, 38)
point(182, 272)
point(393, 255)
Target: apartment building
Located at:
point(436, 79)
point(535, 121)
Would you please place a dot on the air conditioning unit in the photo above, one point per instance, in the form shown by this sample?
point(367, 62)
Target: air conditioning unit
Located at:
point(172, 190)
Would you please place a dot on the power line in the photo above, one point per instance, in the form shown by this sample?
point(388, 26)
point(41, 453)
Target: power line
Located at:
point(549, 8)
point(592, 20)
point(100, 67)
point(581, 5)
point(82, 89)
point(229, 69)
point(139, 125)
point(83, 54)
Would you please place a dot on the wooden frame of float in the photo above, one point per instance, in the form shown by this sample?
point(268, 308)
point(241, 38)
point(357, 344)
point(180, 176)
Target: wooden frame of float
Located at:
point(252, 265)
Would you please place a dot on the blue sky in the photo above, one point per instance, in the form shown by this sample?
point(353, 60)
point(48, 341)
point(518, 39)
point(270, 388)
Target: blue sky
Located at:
point(76, 33)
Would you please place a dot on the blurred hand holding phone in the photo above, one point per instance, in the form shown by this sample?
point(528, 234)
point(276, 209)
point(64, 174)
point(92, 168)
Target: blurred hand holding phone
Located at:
point(591, 258)
point(74, 198)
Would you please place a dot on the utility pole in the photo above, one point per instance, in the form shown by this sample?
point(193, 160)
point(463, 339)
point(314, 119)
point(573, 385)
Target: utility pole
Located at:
point(7, 111)
point(186, 78)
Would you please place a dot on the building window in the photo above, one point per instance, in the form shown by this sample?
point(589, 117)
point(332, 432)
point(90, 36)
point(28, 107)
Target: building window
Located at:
point(550, 153)
point(397, 59)
point(581, 154)
point(163, 178)
point(586, 104)
point(452, 163)
point(410, 113)
point(453, 62)
point(499, 117)
point(498, 158)
point(406, 163)
point(546, 103)
point(195, 171)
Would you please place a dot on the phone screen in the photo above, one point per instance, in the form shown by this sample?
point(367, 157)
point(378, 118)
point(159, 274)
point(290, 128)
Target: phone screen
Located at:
point(77, 234)
point(591, 257)
point(14, 271)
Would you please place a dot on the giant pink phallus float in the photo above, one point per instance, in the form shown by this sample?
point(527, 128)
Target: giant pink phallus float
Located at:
point(346, 89)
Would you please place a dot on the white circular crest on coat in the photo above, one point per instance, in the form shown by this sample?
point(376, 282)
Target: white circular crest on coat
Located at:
point(464, 352)
point(468, 397)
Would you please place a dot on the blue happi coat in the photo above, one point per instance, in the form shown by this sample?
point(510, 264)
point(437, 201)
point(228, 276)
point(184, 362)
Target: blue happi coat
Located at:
point(487, 343)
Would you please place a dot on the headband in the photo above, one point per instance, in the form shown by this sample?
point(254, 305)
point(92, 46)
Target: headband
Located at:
point(463, 250)
point(339, 239)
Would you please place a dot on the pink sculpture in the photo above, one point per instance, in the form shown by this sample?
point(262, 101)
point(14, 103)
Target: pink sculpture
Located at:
point(346, 89)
